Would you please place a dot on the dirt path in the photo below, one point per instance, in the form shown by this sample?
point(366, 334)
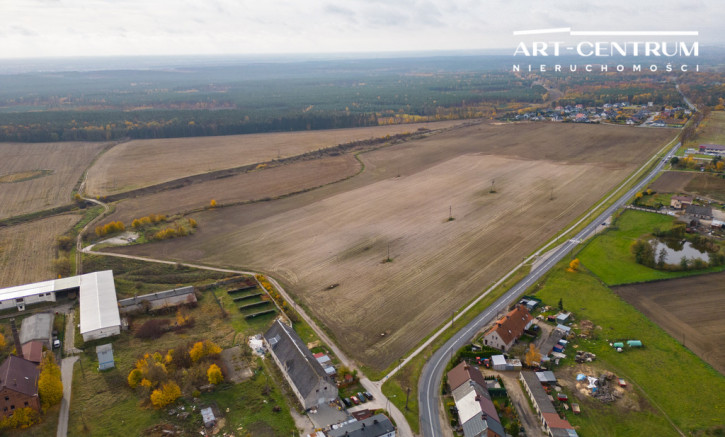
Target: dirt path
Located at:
point(70, 334)
point(374, 388)
point(528, 418)
point(66, 370)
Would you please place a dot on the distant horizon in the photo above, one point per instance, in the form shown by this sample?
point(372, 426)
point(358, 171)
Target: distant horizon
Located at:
point(112, 62)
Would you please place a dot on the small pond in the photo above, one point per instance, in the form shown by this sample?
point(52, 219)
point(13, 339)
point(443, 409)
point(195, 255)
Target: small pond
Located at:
point(676, 249)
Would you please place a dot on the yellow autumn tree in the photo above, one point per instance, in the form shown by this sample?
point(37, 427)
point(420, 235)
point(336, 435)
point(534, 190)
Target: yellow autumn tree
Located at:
point(167, 394)
point(203, 349)
point(50, 386)
point(214, 373)
point(532, 355)
point(212, 204)
point(573, 265)
point(134, 377)
point(3, 343)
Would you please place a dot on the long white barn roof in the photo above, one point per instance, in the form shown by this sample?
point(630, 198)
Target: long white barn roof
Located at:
point(99, 307)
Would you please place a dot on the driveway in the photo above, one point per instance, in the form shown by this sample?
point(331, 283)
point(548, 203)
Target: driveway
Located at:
point(66, 371)
point(529, 420)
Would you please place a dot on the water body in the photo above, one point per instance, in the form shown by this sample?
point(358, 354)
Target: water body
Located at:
point(676, 249)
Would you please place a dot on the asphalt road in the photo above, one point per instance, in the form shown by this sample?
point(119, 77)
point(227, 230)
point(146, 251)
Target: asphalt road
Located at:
point(432, 375)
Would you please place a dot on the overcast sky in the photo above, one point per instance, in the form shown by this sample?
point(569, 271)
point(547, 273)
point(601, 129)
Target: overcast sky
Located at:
point(51, 28)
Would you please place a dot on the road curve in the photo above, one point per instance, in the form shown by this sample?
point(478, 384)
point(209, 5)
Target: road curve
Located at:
point(432, 374)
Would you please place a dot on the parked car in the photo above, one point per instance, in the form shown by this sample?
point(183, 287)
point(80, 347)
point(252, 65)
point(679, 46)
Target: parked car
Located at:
point(622, 382)
point(354, 400)
point(347, 402)
point(56, 344)
point(361, 397)
point(368, 395)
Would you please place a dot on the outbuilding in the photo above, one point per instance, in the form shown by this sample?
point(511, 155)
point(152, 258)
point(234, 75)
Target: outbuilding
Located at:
point(499, 362)
point(38, 327)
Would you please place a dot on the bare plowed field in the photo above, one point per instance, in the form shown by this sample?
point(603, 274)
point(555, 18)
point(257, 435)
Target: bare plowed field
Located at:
point(27, 250)
point(702, 184)
point(340, 234)
point(36, 189)
point(672, 182)
point(142, 163)
point(689, 309)
point(259, 184)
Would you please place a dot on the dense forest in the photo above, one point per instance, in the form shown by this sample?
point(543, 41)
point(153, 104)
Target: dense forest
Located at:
point(185, 98)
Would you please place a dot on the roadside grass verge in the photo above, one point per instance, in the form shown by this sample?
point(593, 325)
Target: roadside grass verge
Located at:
point(673, 378)
point(609, 256)
point(408, 376)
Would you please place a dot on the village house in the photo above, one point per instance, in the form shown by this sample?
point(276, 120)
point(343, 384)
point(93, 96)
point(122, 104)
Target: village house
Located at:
point(303, 372)
point(18, 385)
point(476, 413)
point(508, 329)
point(680, 202)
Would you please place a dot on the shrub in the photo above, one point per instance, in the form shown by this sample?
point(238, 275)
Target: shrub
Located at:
point(22, 418)
point(167, 394)
point(134, 378)
point(203, 349)
point(214, 374)
point(153, 328)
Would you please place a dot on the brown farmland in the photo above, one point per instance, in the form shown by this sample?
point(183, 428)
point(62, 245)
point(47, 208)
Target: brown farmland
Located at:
point(340, 233)
point(696, 183)
point(672, 182)
point(27, 250)
point(142, 163)
point(693, 318)
point(255, 185)
point(36, 190)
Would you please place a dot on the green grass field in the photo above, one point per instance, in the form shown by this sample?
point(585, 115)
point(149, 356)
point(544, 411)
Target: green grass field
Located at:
point(609, 256)
point(674, 379)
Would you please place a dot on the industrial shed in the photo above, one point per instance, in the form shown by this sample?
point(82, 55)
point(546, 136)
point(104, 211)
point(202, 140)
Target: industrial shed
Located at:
point(38, 327)
point(99, 308)
point(158, 301)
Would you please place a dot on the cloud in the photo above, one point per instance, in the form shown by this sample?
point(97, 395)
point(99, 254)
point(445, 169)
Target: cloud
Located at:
point(103, 27)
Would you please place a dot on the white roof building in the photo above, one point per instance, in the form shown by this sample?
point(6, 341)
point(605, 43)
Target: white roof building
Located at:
point(97, 292)
point(99, 308)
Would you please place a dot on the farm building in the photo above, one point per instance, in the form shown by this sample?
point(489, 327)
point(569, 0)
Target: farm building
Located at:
point(105, 356)
point(546, 377)
point(18, 385)
point(679, 202)
point(33, 351)
point(303, 372)
point(712, 149)
point(99, 307)
point(28, 294)
point(499, 362)
point(38, 327)
point(554, 425)
point(508, 329)
point(701, 212)
point(562, 317)
point(158, 301)
point(376, 426)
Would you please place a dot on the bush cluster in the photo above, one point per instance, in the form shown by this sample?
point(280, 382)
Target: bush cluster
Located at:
point(110, 228)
